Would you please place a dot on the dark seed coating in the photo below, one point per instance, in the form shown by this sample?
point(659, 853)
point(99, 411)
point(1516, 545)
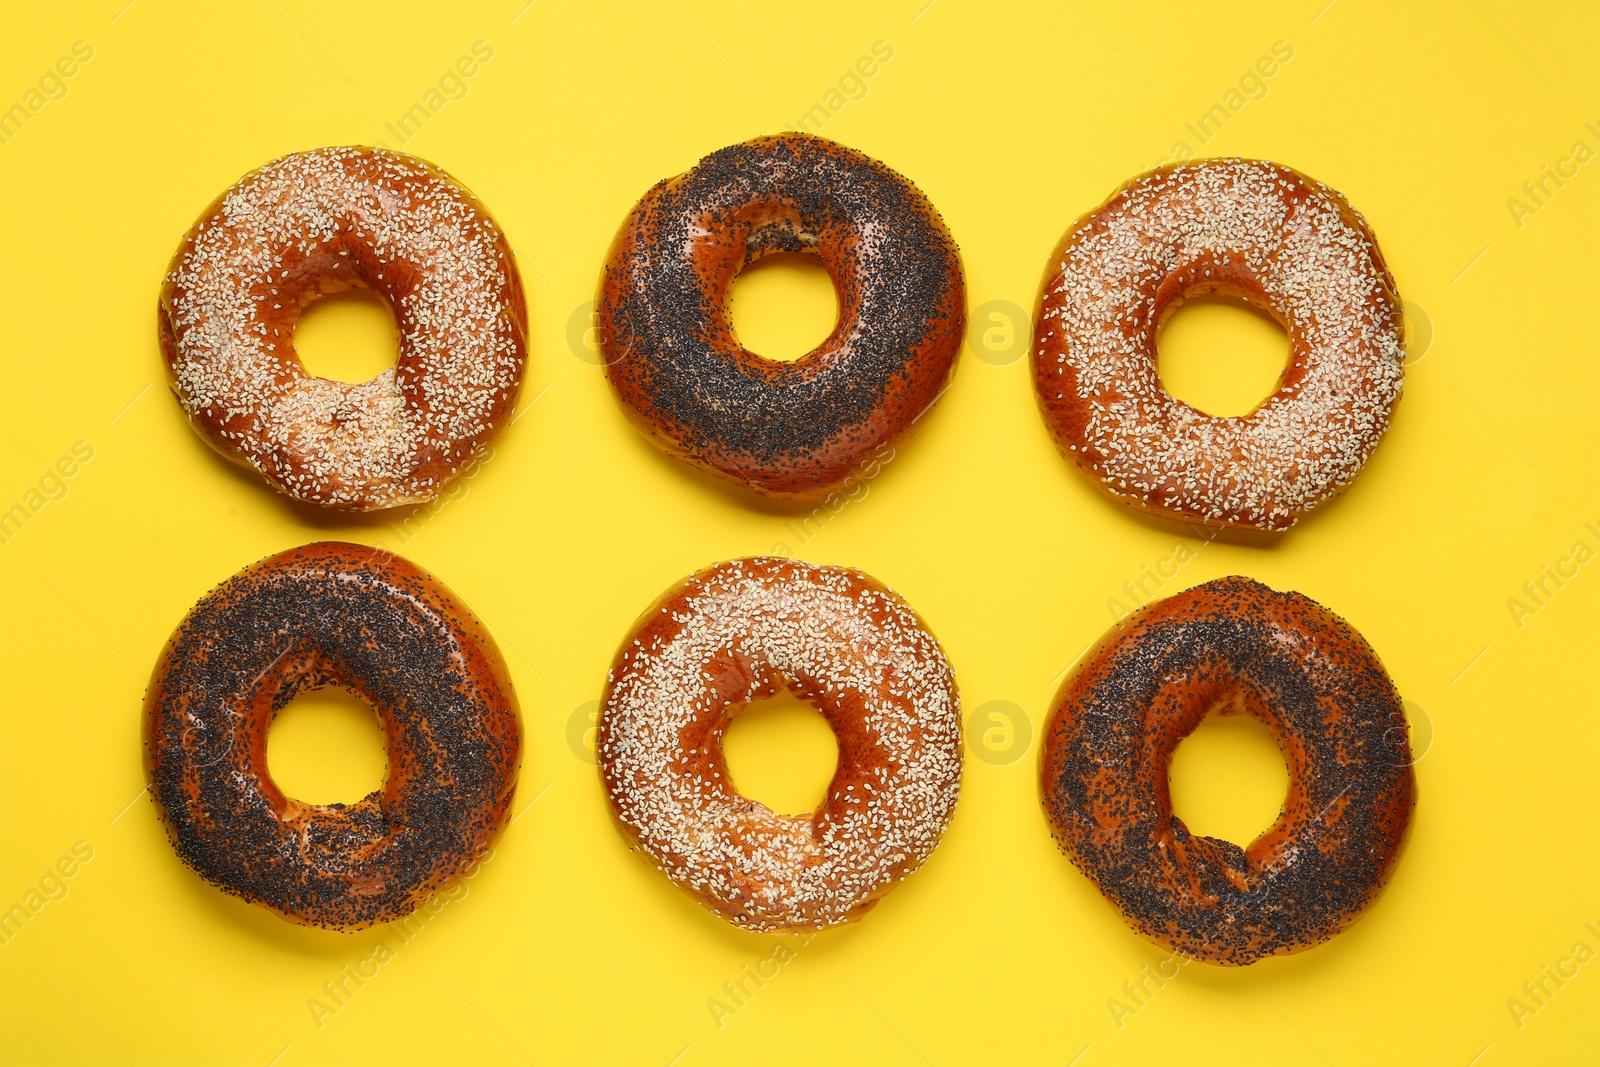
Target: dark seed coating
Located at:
point(1229, 646)
point(373, 623)
point(783, 429)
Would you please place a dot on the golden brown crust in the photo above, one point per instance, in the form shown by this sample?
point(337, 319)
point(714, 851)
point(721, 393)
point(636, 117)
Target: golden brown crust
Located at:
point(1245, 228)
point(356, 617)
point(783, 429)
point(1231, 645)
point(321, 221)
point(741, 631)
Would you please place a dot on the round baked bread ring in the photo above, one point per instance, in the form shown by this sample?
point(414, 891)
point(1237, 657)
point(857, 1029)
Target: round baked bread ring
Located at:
point(1244, 228)
point(370, 622)
point(741, 631)
point(784, 429)
point(321, 221)
point(1231, 645)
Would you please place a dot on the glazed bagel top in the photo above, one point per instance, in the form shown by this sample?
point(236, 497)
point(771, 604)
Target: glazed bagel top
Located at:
point(1244, 228)
point(321, 221)
point(356, 617)
point(783, 428)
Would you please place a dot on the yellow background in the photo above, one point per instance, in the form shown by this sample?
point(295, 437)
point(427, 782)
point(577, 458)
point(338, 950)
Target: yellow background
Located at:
point(566, 948)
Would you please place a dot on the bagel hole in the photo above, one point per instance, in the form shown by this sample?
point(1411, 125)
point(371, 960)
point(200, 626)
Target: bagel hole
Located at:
point(327, 747)
point(783, 306)
point(1221, 355)
point(1228, 779)
point(782, 753)
point(348, 336)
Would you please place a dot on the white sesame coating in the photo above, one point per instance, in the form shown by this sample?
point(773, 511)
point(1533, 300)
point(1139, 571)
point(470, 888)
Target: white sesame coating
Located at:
point(741, 631)
point(321, 221)
point(1240, 227)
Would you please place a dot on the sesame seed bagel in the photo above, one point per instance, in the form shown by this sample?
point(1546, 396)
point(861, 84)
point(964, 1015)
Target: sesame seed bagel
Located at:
point(741, 631)
point(783, 429)
point(318, 222)
point(1238, 227)
point(1231, 646)
point(332, 614)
